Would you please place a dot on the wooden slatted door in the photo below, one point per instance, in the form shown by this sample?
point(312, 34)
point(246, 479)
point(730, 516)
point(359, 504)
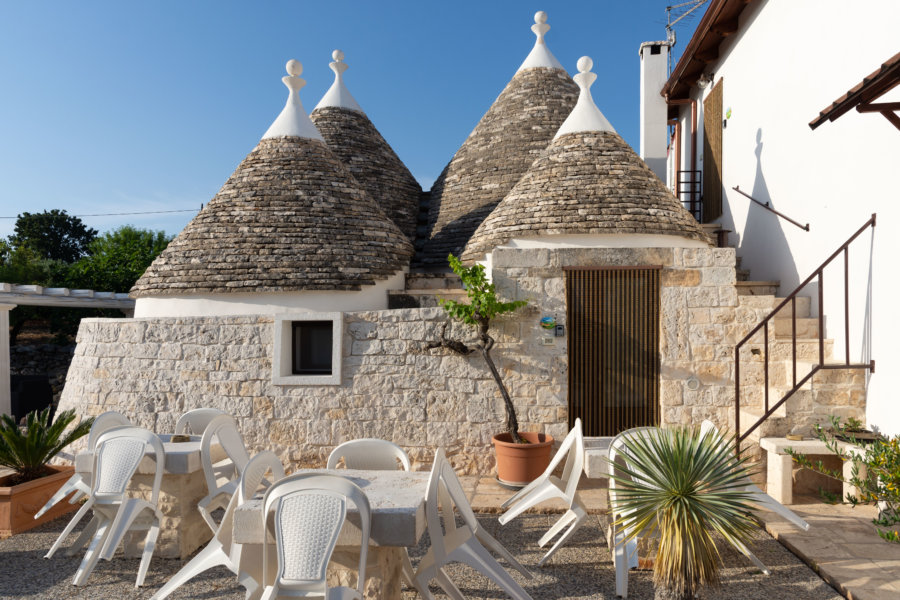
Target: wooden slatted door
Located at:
point(712, 154)
point(613, 348)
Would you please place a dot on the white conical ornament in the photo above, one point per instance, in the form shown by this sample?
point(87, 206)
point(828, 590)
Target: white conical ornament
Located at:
point(338, 95)
point(540, 55)
point(293, 120)
point(585, 116)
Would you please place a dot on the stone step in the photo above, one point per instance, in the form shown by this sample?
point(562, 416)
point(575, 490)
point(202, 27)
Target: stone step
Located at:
point(422, 298)
point(806, 327)
point(433, 281)
point(803, 304)
point(756, 288)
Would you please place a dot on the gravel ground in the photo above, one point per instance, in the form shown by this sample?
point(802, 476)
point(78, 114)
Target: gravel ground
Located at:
point(583, 569)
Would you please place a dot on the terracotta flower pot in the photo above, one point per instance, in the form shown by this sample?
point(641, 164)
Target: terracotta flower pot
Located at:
point(19, 503)
point(520, 464)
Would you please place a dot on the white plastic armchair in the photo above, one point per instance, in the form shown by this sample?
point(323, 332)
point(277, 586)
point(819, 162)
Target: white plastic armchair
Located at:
point(117, 456)
point(310, 510)
point(547, 486)
point(222, 550)
point(369, 454)
point(197, 420)
point(221, 477)
point(375, 455)
point(453, 543)
point(760, 497)
point(81, 485)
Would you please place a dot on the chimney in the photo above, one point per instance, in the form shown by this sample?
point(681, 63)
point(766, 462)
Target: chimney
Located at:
point(654, 112)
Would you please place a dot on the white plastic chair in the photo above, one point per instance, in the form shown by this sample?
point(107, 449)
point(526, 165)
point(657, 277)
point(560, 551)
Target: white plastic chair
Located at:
point(117, 456)
point(625, 556)
point(547, 486)
point(453, 543)
point(760, 497)
point(221, 477)
point(78, 483)
point(369, 454)
point(310, 510)
point(222, 550)
point(375, 455)
point(197, 420)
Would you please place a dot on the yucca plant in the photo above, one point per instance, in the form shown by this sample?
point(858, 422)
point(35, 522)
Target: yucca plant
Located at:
point(686, 487)
point(27, 450)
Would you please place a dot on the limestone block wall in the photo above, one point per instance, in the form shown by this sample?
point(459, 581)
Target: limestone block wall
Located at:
point(393, 387)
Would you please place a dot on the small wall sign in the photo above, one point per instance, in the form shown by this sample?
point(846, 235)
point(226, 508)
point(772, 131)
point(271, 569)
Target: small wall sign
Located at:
point(548, 322)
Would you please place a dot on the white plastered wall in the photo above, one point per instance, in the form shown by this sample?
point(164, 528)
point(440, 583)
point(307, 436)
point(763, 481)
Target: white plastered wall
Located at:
point(371, 297)
point(788, 61)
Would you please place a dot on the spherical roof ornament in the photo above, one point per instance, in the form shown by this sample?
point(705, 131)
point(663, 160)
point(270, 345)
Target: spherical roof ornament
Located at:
point(540, 56)
point(293, 120)
point(585, 116)
point(338, 95)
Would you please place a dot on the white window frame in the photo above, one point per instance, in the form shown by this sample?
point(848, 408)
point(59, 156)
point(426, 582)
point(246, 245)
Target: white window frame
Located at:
point(282, 357)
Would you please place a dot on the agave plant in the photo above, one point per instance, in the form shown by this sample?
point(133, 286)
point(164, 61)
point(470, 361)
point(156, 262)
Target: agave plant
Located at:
point(27, 450)
point(685, 487)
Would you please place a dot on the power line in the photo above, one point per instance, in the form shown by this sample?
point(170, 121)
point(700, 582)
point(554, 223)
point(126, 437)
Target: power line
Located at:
point(149, 212)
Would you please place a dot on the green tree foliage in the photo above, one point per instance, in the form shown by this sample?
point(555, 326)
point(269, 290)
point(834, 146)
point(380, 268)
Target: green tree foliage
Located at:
point(118, 258)
point(53, 235)
point(482, 306)
point(54, 249)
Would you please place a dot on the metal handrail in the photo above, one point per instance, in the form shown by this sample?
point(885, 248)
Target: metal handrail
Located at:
point(766, 206)
point(764, 325)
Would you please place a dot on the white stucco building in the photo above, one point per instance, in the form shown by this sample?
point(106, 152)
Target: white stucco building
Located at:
point(740, 100)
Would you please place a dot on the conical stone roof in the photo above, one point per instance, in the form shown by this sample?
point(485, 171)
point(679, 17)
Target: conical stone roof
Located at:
point(509, 137)
point(355, 140)
point(587, 181)
point(291, 217)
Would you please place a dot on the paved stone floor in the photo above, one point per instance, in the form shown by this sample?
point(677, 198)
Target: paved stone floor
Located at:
point(581, 570)
point(843, 547)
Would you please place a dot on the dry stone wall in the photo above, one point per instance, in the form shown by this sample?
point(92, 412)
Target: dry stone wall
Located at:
point(393, 387)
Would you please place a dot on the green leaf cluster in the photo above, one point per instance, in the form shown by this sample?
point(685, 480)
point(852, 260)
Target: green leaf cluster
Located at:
point(684, 486)
point(879, 482)
point(483, 303)
point(27, 450)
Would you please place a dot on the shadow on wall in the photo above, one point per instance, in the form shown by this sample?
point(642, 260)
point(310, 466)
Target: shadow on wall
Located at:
point(764, 235)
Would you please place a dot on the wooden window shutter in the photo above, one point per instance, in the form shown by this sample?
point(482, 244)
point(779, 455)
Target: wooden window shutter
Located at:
point(712, 154)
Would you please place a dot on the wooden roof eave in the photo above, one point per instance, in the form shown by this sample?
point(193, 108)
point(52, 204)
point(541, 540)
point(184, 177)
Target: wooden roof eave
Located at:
point(720, 20)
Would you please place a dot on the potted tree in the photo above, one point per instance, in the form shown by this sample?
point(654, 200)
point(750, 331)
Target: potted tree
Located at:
point(27, 451)
point(521, 456)
point(682, 486)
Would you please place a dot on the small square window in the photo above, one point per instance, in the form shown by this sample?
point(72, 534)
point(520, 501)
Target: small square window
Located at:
point(311, 348)
point(307, 348)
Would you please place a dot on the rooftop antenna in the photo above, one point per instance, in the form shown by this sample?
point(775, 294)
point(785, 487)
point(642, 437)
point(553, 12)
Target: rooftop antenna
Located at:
point(674, 15)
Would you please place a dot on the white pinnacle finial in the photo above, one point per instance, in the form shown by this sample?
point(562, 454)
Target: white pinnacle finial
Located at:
point(585, 116)
point(338, 95)
point(293, 120)
point(540, 55)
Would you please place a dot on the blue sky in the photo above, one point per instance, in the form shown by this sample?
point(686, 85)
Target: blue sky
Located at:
point(113, 107)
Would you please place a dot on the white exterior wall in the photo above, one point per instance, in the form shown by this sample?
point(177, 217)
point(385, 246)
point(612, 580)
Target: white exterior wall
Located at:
point(371, 297)
point(788, 61)
point(654, 112)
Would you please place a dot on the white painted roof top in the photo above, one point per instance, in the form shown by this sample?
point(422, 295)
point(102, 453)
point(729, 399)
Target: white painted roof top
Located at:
point(585, 116)
point(540, 55)
point(338, 95)
point(293, 120)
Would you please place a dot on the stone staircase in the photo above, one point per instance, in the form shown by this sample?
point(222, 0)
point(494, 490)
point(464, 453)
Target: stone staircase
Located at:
point(424, 288)
point(829, 392)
